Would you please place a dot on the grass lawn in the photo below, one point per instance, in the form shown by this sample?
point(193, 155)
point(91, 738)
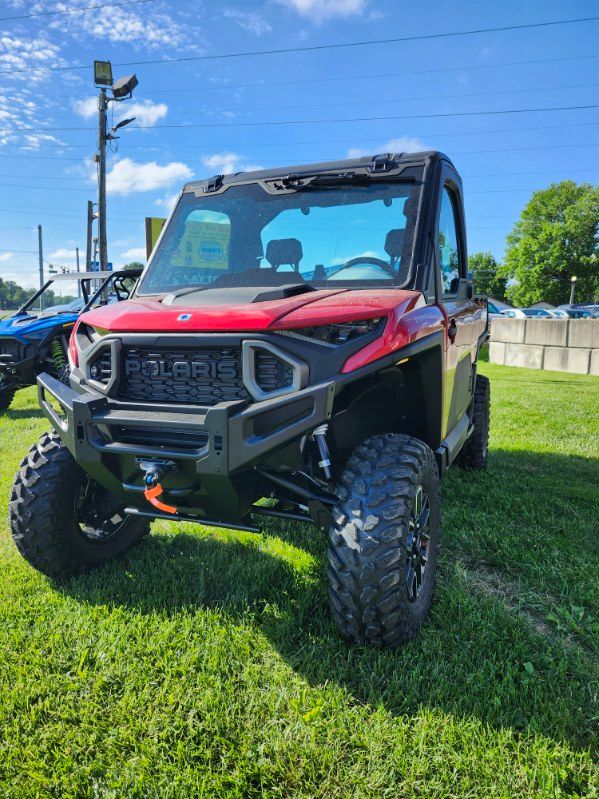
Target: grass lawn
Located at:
point(205, 663)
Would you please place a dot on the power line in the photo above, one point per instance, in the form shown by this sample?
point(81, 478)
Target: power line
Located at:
point(75, 10)
point(262, 143)
point(371, 101)
point(319, 47)
point(293, 144)
point(280, 123)
point(376, 76)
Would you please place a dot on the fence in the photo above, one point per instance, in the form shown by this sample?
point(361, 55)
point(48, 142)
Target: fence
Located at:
point(564, 345)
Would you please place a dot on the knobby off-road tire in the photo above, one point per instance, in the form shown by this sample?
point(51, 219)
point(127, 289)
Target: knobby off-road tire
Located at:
point(6, 397)
point(49, 513)
point(473, 454)
point(390, 481)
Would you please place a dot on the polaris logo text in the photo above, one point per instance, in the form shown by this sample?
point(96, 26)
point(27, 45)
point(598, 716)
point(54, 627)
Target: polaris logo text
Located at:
point(181, 370)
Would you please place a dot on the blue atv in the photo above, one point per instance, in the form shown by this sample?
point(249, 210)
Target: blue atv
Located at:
point(35, 338)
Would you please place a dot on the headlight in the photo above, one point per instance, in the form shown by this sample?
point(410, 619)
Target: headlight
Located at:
point(36, 335)
point(337, 334)
point(82, 337)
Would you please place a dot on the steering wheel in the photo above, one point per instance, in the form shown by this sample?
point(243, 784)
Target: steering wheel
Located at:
point(369, 259)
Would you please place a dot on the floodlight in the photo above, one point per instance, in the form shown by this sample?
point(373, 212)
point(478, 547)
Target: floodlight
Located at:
point(102, 73)
point(124, 86)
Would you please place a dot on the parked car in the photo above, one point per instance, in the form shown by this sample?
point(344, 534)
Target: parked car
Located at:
point(528, 313)
point(577, 311)
point(494, 310)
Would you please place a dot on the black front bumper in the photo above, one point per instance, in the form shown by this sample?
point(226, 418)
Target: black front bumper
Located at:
point(213, 448)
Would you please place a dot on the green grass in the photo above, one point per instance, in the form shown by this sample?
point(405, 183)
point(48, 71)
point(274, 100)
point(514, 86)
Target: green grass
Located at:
point(205, 663)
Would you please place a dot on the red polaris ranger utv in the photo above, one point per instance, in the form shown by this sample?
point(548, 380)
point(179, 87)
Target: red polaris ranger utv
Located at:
point(303, 344)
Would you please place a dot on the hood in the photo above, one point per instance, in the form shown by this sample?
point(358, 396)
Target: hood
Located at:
point(204, 313)
point(22, 326)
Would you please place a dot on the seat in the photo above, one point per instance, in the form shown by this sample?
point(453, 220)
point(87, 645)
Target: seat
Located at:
point(394, 245)
point(284, 251)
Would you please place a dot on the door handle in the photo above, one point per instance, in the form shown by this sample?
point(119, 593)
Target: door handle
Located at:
point(452, 331)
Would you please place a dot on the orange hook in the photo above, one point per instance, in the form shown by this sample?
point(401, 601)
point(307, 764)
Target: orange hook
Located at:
point(152, 494)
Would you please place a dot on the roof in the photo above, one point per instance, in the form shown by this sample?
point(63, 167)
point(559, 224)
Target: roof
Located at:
point(94, 275)
point(393, 161)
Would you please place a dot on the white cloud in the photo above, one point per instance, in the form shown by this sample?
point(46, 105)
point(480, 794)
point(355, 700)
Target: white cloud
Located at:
point(134, 254)
point(249, 21)
point(65, 257)
point(403, 144)
point(6, 256)
point(226, 163)
point(167, 203)
point(86, 108)
point(322, 10)
point(146, 112)
point(145, 28)
point(27, 57)
point(128, 176)
point(34, 141)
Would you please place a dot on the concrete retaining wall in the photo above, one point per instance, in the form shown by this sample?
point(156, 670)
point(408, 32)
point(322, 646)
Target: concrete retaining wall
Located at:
point(564, 345)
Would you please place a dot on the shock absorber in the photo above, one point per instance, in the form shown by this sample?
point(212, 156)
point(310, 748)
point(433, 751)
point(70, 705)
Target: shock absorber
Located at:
point(58, 354)
point(319, 436)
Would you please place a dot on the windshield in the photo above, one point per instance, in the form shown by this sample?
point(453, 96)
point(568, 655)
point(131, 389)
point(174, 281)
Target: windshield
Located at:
point(349, 234)
point(61, 296)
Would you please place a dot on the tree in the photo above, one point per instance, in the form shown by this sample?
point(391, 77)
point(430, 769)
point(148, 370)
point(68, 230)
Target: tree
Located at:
point(486, 273)
point(134, 265)
point(555, 238)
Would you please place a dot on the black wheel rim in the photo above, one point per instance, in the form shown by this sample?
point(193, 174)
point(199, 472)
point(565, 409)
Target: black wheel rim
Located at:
point(99, 516)
point(417, 543)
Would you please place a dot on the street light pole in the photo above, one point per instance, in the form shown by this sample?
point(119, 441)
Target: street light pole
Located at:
point(121, 89)
point(572, 287)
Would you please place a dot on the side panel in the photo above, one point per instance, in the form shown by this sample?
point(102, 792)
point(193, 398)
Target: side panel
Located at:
point(464, 316)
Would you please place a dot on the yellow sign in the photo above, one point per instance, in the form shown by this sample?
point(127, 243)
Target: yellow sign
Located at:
point(204, 245)
point(154, 225)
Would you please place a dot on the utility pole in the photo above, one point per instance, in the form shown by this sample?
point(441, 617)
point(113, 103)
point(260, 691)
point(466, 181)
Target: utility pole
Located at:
point(78, 270)
point(101, 159)
point(41, 261)
point(90, 223)
point(121, 90)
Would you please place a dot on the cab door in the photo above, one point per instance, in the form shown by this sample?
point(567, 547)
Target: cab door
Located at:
point(462, 314)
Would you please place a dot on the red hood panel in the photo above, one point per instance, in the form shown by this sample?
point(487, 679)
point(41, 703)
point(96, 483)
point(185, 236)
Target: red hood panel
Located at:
point(149, 315)
point(352, 304)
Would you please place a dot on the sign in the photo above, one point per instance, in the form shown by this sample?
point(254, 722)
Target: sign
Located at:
point(154, 225)
point(102, 73)
point(95, 266)
point(204, 245)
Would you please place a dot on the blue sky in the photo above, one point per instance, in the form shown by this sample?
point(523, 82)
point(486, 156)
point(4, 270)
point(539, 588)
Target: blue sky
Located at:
point(46, 175)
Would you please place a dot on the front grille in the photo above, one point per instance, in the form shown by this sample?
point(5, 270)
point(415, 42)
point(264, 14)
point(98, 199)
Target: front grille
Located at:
point(203, 376)
point(272, 373)
point(18, 350)
point(161, 437)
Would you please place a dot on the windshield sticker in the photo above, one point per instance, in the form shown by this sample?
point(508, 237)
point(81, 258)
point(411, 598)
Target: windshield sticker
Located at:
point(203, 244)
